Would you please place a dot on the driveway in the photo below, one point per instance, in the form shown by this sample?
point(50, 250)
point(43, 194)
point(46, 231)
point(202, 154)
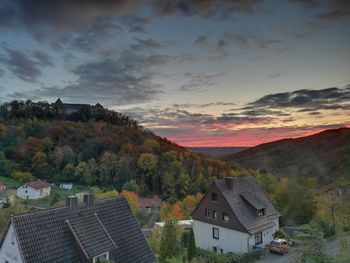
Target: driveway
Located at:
point(276, 258)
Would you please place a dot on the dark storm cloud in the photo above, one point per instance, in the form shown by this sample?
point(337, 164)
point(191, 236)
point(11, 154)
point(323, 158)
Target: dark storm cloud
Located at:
point(304, 100)
point(136, 23)
point(200, 81)
point(43, 58)
point(96, 34)
point(126, 80)
point(327, 9)
point(21, 65)
point(204, 105)
point(43, 17)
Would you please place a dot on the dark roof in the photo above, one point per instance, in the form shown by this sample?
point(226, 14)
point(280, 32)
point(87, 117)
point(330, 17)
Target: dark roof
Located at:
point(149, 201)
point(252, 200)
point(251, 191)
point(63, 235)
point(38, 184)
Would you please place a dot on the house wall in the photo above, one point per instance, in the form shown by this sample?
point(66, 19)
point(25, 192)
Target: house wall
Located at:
point(66, 186)
point(26, 192)
point(229, 240)
point(9, 250)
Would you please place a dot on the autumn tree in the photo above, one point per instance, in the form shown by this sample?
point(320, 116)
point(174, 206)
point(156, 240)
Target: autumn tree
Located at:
point(22, 176)
point(132, 200)
point(40, 165)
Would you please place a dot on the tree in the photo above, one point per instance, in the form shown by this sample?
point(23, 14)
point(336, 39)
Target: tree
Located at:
point(132, 200)
point(312, 246)
point(154, 241)
point(132, 186)
point(191, 247)
point(48, 144)
point(82, 172)
point(147, 162)
point(189, 203)
point(68, 172)
point(22, 176)
point(40, 165)
point(5, 165)
point(170, 243)
point(177, 213)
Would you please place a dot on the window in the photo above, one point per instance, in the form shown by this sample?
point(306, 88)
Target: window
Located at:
point(215, 214)
point(225, 217)
point(207, 213)
point(221, 251)
point(261, 212)
point(215, 233)
point(13, 238)
point(258, 238)
point(214, 196)
point(101, 258)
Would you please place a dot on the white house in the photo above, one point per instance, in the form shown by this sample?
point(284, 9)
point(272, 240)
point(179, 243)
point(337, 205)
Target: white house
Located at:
point(34, 190)
point(80, 233)
point(66, 186)
point(234, 216)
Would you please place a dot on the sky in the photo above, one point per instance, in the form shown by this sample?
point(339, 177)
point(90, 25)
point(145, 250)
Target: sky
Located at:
point(200, 73)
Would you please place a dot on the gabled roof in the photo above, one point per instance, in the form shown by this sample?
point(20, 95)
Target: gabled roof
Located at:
point(61, 235)
point(247, 192)
point(38, 184)
point(149, 201)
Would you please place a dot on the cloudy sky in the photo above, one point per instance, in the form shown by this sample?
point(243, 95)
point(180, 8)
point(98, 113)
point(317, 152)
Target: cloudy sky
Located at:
point(201, 73)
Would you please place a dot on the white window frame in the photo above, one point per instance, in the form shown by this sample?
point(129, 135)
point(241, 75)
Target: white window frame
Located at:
point(96, 258)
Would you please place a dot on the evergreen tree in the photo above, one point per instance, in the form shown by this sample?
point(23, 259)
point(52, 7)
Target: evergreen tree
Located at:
point(191, 248)
point(169, 244)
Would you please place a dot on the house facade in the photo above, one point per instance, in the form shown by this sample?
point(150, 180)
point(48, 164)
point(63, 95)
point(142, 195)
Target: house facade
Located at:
point(34, 190)
point(2, 186)
point(66, 186)
point(87, 232)
point(149, 202)
point(234, 216)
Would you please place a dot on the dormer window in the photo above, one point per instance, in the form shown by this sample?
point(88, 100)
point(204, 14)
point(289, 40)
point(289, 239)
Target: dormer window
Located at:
point(261, 212)
point(101, 258)
point(214, 196)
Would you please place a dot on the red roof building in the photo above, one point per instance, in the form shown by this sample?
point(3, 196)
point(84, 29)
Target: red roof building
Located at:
point(148, 202)
point(38, 184)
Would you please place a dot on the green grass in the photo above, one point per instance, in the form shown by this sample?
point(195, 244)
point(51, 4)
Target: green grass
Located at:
point(10, 182)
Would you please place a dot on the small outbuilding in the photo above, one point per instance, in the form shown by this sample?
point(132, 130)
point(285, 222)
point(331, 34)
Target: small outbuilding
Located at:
point(66, 186)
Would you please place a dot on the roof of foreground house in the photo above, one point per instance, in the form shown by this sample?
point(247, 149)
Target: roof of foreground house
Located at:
point(243, 198)
point(38, 184)
point(77, 235)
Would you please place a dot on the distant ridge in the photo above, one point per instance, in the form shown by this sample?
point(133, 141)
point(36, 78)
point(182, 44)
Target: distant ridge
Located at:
point(217, 152)
point(325, 155)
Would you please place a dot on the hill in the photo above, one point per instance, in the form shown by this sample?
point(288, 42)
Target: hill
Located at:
point(325, 155)
point(216, 152)
point(96, 146)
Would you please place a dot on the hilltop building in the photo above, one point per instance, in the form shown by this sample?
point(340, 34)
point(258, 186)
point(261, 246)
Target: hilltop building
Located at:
point(73, 107)
point(34, 190)
point(234, 216)
point(91, 232)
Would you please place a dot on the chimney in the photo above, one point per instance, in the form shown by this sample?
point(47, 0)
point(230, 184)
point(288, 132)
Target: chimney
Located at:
point(72, 202)
point(229, 182)
point(89, 200)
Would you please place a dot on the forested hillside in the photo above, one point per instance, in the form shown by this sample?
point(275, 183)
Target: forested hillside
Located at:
point(96, 146)
point(325, 156)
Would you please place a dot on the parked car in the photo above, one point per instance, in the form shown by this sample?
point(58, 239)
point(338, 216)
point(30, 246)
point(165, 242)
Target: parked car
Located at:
point(280, 245)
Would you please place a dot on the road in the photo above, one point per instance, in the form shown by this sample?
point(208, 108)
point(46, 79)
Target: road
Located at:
point(332, 248)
